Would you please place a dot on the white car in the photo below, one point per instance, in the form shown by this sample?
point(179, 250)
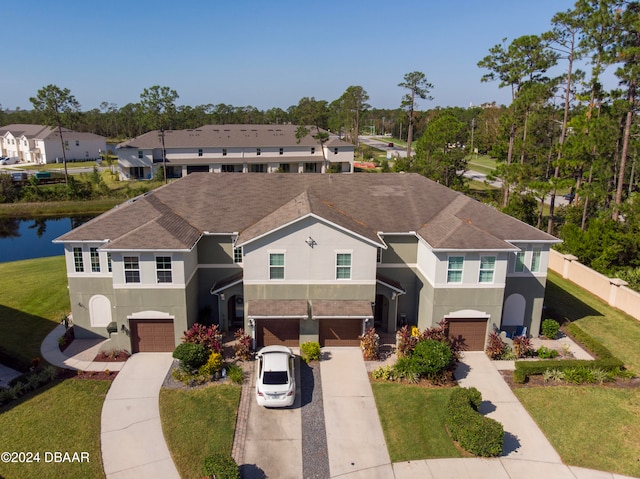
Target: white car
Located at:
point(8, 161)
point(276, 384)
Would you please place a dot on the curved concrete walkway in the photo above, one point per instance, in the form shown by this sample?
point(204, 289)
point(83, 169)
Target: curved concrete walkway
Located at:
point(133, 444)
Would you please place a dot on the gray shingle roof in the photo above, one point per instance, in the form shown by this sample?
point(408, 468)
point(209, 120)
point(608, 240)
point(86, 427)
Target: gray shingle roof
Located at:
point(229, 136)
point(175, 215)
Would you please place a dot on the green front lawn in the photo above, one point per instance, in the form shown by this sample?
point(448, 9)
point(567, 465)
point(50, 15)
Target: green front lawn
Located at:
point(619, 332)
point(412, 419)
point(592, 426)
point(197, 423)
point(33, 299)
point(65, 417)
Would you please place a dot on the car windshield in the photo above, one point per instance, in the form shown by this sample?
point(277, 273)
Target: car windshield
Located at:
point(275, 377)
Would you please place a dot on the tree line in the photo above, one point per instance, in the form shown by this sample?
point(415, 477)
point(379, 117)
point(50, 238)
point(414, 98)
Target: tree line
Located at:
point(561, 132)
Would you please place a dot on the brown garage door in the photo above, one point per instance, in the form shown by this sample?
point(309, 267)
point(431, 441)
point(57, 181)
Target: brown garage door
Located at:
point(469, 334)
point(340, 332)
point(285, 332)
point(152, 335)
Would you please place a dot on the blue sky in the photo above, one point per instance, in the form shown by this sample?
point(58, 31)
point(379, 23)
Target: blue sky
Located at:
point(266, 53)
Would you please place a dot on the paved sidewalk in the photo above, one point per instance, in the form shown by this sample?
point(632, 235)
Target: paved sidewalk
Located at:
point(133, 444)
point(78, 355)
point(523, 437)
point(355, 440)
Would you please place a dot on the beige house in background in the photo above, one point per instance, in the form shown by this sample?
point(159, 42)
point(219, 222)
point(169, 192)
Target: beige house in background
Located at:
point(232, 149)
point(293, 258)
point(41, 144)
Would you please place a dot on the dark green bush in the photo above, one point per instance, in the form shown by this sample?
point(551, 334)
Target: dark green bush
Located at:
point(431, 358)
point(310, 351)
point(477, 434)
point(191, 356)
point(550, 328)
point(221, 466)
point(606, 361)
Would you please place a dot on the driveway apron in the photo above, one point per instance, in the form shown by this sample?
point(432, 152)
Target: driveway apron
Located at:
point(523, 437)
point(133, 444)
point(355, 440)
point(273, 444)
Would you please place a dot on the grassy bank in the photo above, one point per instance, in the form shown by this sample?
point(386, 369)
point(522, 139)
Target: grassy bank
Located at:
point(33, 298)
point(64, 416)
point(57, 208)
point(197, 423)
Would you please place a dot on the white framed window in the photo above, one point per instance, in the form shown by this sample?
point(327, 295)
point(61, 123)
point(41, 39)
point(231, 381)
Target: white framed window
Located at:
point(78, 260)
point(379, 255)
point(224, 152)
point(487, 269)
point(276, 265)
point(285, 167)
point(313, 150)
point(335, 151)
point(140, 154)
point(163, 269)
point(237, 255)
point(454, 269)
point(343, 265)
point(518, 266)
point(95, 260)
point(200, 152)
point(109, 263)
point(258, 151)
point(535, 259)
point(281, 151)
point(131, 269)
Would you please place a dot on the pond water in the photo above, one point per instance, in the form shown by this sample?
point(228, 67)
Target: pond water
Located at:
point(27, 239)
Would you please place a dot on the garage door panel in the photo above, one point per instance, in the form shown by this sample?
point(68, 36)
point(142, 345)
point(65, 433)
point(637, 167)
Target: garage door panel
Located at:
point(152, 335)
point(468, 334)
point(340, 332)
point(285, 332)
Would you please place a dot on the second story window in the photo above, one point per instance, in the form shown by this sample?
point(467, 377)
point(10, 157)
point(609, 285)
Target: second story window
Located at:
point(313, 150)
point(519, 265)
point(535, 260)
point(335, 151)
point(343, 266)
point(237, 255)
point(454, 269)
point(109, 263)
point(200, 152)
point(281, 151)
point(95, 260)
point(487, 268)
point(276, 265)
point(140, 154)
point(163, 269)
point(258, 151)
point(131, 269)
point(224, 152)
point(77, 260)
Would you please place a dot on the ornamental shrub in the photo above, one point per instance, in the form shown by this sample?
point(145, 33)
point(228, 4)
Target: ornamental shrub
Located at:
point(495, 346)
point(369, 342)
point(550, 328)
point(212, 366)
point(191, 356)
point(431, 358)
point(522, 346)
point(208, 336)
point(477, 434)
point(221, 466)
point(544, 352)
point(242, 346)
point(310, 351)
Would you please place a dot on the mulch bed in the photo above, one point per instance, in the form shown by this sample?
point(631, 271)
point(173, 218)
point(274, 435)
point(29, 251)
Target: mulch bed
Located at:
point(112, 356)
point(68, 339)
point(536, 381)
point(102, 375)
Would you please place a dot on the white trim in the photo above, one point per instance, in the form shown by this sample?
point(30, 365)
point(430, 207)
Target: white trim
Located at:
point(467, 313)
point(336, 282)
point(449, 256)
point(320, 219)
point(151, 314)
point(150, 286)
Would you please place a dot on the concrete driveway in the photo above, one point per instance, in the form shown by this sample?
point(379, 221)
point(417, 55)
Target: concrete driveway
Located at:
point(273, 441)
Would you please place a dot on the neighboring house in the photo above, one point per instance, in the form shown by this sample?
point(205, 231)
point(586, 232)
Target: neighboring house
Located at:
point(41, 144)
point(232, 149)
point(293, 258)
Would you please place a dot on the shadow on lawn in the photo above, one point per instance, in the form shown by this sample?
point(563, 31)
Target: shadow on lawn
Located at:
point(22, 335)
point(563, 306)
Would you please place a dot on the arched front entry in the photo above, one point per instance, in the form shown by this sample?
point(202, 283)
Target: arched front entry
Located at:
point(235, 311)
point(513, 311)
point(100, 311)
point(381, 313)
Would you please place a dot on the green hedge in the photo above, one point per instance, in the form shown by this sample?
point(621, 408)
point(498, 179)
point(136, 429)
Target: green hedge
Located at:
point(221, 466)
point(477, 434)
point(606, 360)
